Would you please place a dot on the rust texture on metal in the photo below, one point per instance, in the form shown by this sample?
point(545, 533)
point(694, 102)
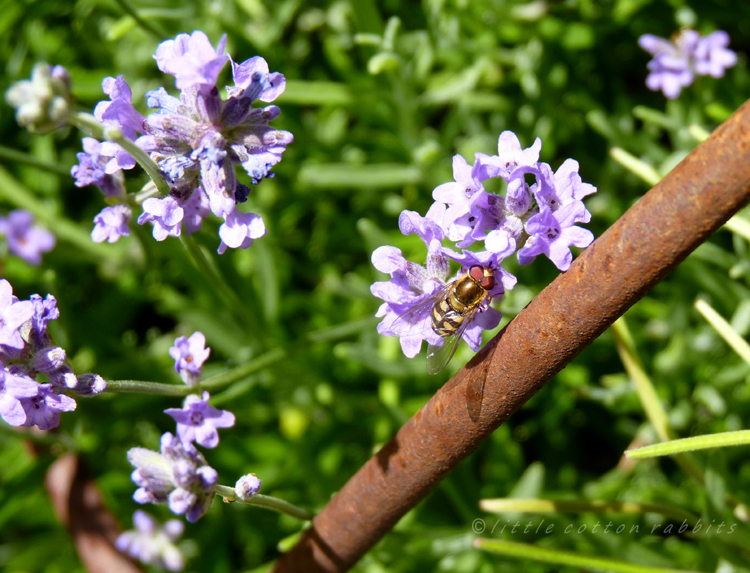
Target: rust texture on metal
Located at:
point(659, 231)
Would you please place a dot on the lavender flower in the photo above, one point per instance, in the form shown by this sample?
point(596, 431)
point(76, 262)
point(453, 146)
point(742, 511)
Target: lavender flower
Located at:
point(166, 215)
point(42, 104)
point(247, 486)
point(196, 141)
point(13, 389)
point(197, 421)
point(43, 409)
point(99, 166)
point(153, 544)
point(111, 224)
point(26, 350)
point(24, 239)
point(536, 216)
point(120, 113)
point(190, 354)
point(178, 476)
point(240, 229)
point(676, 62)
point(192, 60)
point(553, 233)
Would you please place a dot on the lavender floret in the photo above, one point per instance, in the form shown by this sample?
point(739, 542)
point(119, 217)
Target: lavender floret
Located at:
point(197, 421)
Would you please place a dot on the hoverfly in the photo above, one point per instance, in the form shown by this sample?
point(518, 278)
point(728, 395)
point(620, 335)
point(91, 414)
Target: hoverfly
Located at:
point(451, 309)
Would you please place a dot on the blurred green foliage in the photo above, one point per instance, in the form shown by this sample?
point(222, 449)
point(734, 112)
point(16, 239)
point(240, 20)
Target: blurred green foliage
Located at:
point(380, 96)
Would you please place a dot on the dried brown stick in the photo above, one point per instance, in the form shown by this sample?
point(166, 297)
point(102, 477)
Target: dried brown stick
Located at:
point(645, 244)
point(79, 505)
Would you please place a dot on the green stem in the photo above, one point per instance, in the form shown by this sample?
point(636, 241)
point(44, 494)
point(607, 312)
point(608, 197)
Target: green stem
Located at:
point(143, 387)
point(89, 124)
point(266, 501)
point(256, 364)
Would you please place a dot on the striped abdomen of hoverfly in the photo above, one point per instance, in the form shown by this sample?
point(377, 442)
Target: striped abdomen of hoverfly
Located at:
point(468, 292)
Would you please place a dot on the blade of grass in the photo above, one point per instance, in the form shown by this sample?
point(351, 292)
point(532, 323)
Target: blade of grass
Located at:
point(739, 438)
point(648, 397)
point(503, 505)
point(725, 330)
point(630, 162)
point(571, 558)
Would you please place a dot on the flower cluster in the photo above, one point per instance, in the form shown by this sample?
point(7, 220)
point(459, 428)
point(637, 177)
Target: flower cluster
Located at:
point(537, 216)
point(677, 62)
point(27, 351)
point(153, 544)
point(177, 475)
point(43, 103)
point(196, 141)
point(180, 475)
point(25, 239)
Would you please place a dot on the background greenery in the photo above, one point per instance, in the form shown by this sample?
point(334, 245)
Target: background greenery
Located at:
point(380, 96)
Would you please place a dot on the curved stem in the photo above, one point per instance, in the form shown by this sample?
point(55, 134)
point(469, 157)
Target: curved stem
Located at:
point(261, 362)
point(89, 124)
point(264, 501)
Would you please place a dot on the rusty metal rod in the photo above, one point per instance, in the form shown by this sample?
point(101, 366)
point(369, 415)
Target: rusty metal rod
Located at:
point(657, 233)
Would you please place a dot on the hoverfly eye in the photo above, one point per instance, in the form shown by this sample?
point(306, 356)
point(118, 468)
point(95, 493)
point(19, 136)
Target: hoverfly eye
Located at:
point(477, 273)
point(488, 283)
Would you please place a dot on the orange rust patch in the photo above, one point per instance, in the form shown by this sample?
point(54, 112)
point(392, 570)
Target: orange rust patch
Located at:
point(439, 408)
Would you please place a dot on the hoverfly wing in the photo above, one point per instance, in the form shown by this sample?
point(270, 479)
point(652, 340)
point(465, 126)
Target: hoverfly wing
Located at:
point(439, 356)
point(412, 322)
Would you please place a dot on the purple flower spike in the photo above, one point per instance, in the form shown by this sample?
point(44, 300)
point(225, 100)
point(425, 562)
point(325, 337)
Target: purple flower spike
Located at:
point(24, 239)
point(192, 60)
point(190, 354)
point(676, 62)
point(197, 421)
point(152, 543)
point(178, 476)
point(111, 224)
point(43, 410)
